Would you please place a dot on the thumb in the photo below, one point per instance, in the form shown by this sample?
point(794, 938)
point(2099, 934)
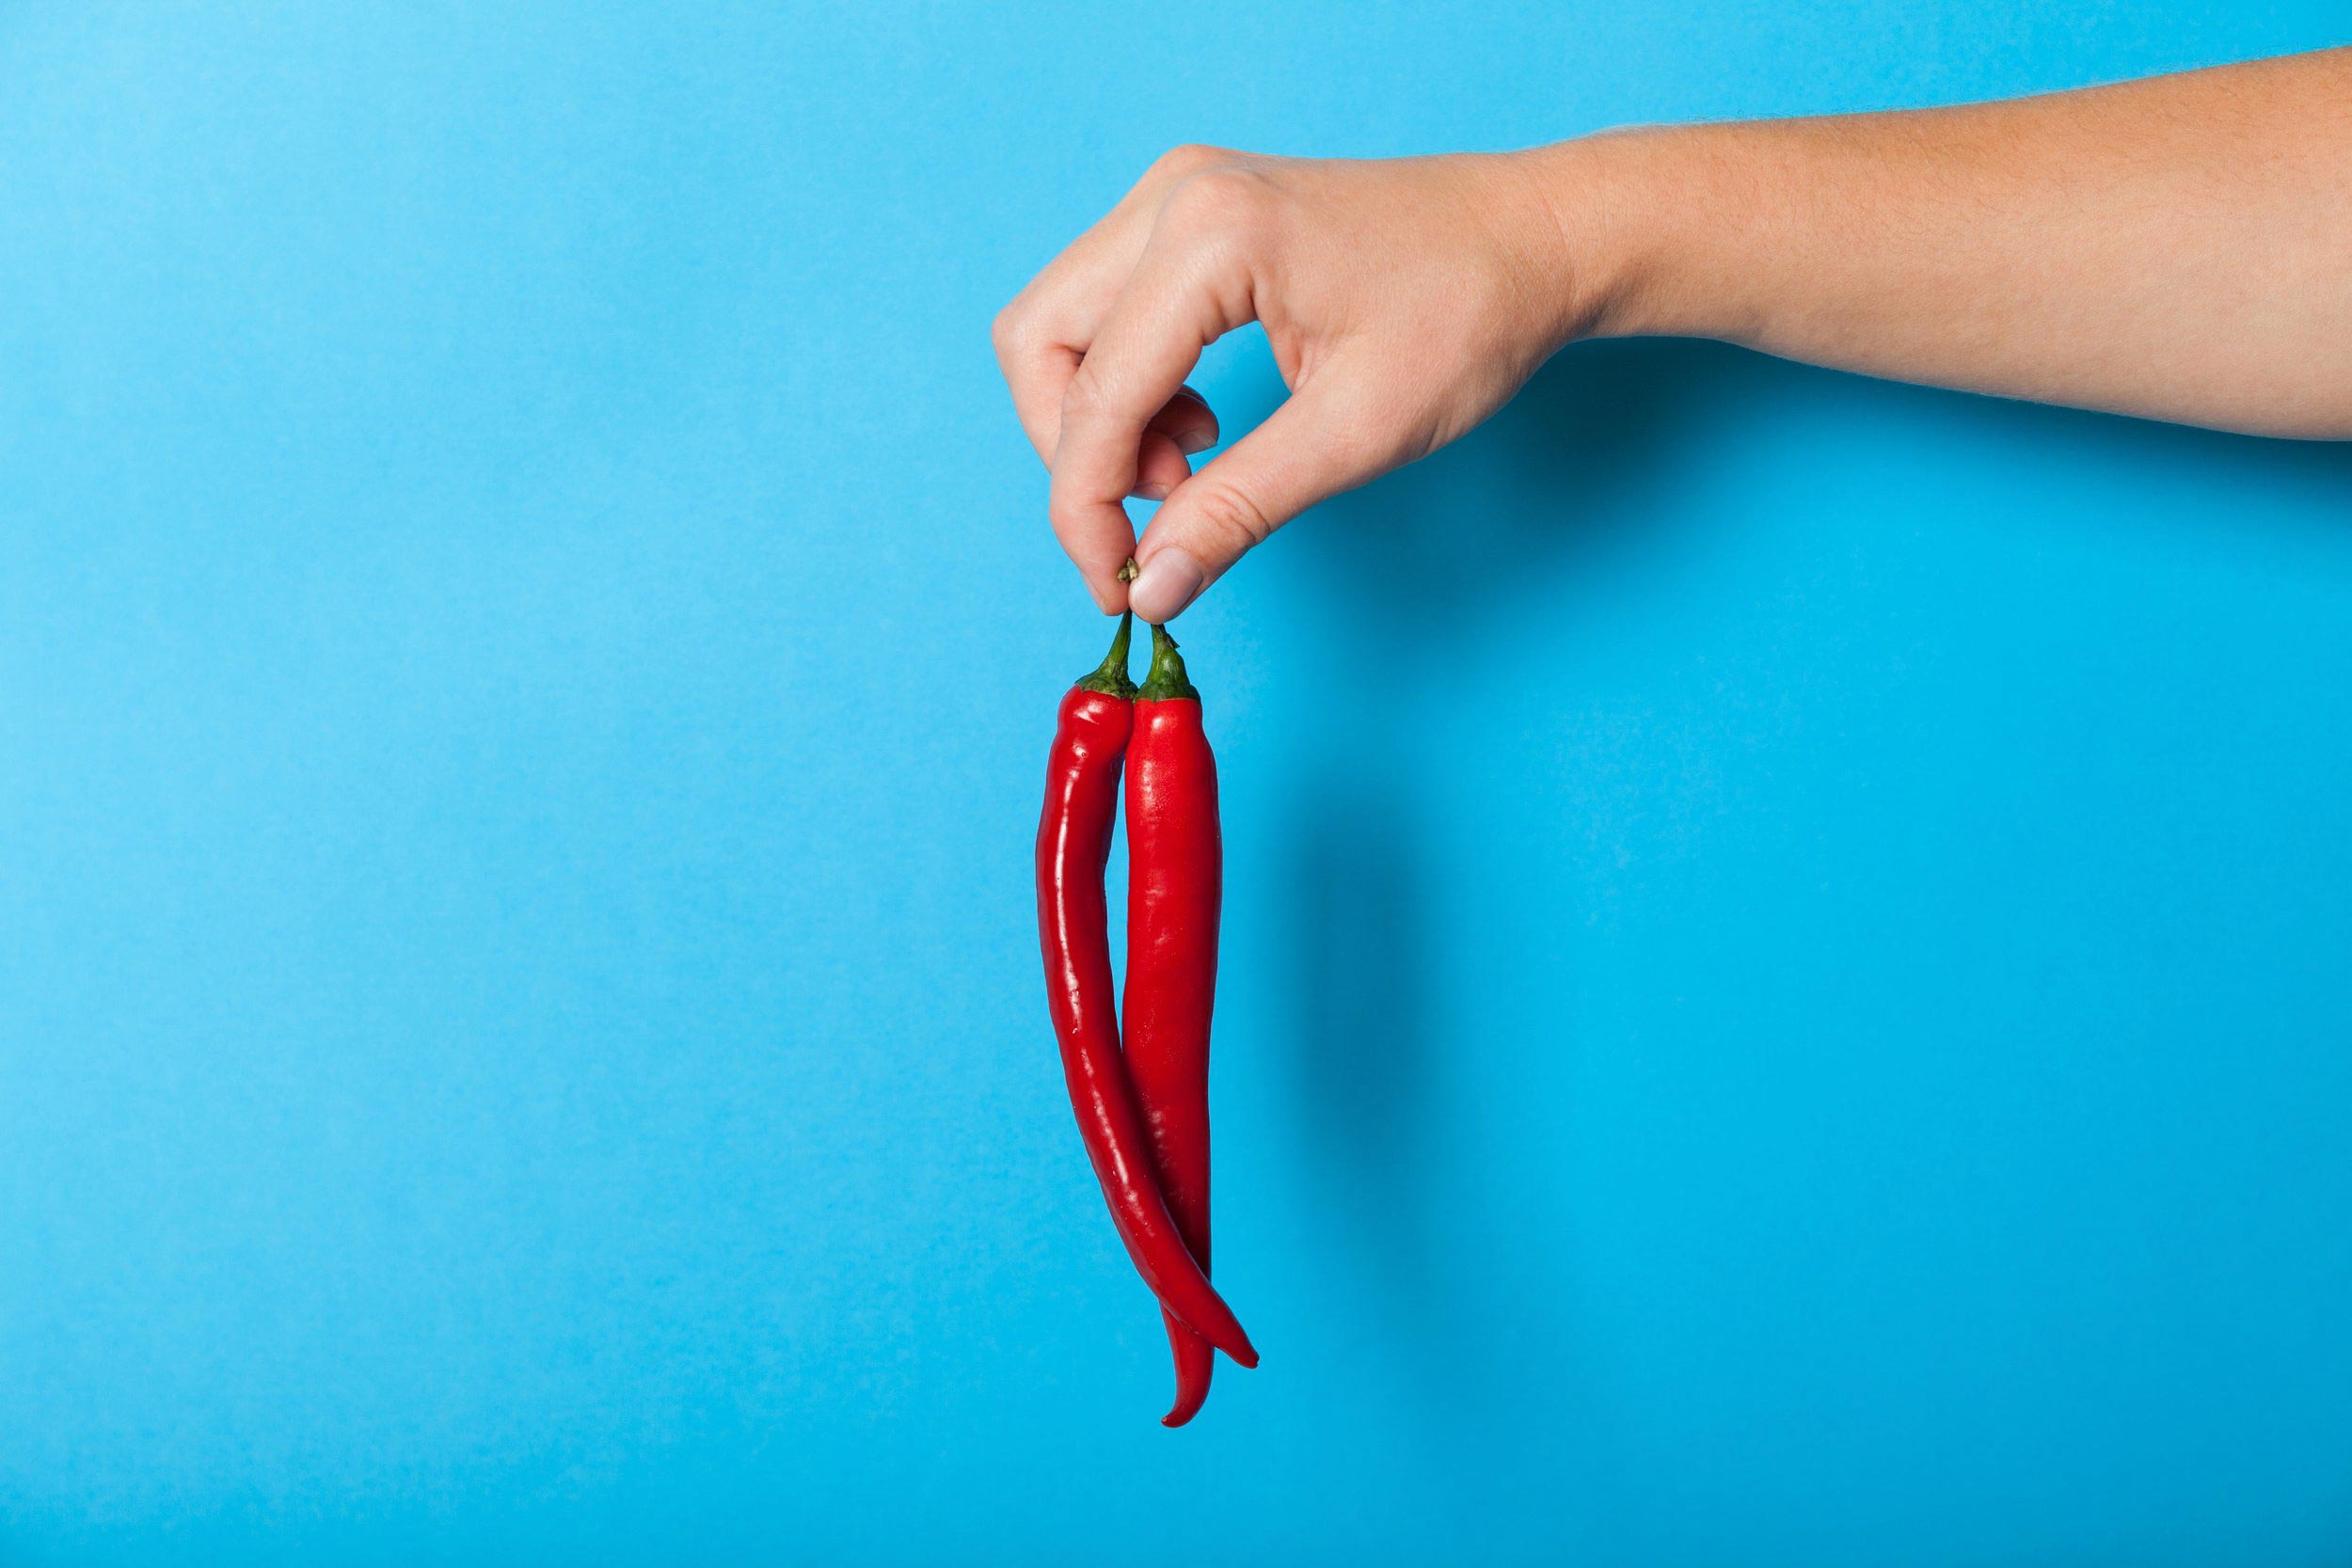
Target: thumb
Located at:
point(1306, 451)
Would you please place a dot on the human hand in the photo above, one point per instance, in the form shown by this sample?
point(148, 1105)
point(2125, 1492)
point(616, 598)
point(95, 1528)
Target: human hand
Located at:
point(1406, 300)
point(2172, 249)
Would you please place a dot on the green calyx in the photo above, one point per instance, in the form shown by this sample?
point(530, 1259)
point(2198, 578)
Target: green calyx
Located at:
point(1110, 679)
point(1167, 682)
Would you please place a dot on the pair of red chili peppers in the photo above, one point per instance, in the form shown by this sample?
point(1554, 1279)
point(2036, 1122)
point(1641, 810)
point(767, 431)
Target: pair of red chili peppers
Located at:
point(1143, 1110)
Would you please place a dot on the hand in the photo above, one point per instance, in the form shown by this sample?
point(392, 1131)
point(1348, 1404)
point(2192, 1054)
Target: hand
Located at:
point(1406, 300)
point(2173, 248)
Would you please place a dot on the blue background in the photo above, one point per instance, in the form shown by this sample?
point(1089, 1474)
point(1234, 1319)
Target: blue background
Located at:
point(1785, 993)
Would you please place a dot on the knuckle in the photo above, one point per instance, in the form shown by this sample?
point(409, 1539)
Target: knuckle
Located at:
point(1192, 157)
point(1230, 519)
point(1085, 398)
point(1009, 331)
point(1227, 201)
point(1064, 515)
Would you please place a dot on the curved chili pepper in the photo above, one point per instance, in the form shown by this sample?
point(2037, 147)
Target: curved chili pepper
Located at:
point(1073, 839)
point(1174, 886)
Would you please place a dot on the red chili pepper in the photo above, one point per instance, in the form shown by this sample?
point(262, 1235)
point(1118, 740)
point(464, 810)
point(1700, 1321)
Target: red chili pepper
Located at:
point(1174, 886)
point(1073, 839)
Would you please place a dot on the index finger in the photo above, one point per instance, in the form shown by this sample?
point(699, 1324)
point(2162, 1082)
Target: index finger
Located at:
point(1040, 336)
point(1177, 302)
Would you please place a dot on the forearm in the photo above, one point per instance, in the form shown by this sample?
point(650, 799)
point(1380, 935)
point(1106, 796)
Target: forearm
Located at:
point(2178, 247)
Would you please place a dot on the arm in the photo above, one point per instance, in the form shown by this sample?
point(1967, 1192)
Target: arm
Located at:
point(2178, 247)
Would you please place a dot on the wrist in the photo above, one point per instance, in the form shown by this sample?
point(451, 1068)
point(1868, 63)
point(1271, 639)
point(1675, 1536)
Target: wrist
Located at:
point(1649, 223)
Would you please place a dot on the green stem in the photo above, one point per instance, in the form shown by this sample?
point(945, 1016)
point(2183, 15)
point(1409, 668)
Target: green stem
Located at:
point(1110, 679)
point(1167, 682)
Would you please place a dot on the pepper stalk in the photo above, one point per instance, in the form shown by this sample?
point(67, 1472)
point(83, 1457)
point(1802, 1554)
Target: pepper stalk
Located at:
point(1167, 681)
point(1110, 678)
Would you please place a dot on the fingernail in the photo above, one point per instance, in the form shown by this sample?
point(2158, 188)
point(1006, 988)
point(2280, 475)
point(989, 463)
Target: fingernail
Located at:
point(1192, 443)
point(1151, 490)
point(1170, 581)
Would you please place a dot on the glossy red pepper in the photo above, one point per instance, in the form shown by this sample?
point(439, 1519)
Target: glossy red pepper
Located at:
point(1073, 839)
point(1174, 890)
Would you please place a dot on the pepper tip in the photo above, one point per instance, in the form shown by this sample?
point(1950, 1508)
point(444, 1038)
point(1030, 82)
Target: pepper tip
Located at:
point(1190, 1397)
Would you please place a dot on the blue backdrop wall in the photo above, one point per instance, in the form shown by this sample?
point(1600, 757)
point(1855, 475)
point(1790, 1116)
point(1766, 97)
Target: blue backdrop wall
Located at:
point(1785, 993)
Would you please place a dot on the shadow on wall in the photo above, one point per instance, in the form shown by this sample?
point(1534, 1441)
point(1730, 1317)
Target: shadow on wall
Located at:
point(1554, 483)
point(1579, 476)
point(1580, 469)
point(1363, 1058)
point(1551, 485)
point(1559, 483)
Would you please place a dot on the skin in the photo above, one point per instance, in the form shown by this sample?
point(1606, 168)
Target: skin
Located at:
point(2178, 248)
